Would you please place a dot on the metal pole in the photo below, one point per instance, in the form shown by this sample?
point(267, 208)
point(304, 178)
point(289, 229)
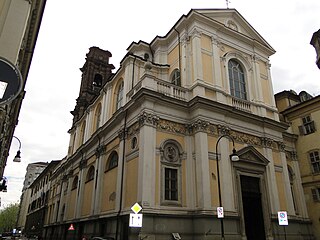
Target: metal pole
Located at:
point(218, 176)
point(219, 188)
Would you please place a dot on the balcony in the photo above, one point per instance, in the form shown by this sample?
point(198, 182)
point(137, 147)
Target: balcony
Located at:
point(166, 88)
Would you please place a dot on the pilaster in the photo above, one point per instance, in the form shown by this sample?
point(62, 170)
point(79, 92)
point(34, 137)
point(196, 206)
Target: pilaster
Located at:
point(196, 54)
point(147, 156)
point(203, 192)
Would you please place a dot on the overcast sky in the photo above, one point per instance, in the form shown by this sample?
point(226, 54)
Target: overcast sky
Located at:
point(70, 27)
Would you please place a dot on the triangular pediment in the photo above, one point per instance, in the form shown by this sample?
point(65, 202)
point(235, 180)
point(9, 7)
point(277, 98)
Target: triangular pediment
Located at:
point(251, 155)
point(234, 21)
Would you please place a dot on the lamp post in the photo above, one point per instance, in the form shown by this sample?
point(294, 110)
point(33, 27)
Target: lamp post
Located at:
point(17, 158)
point(233, 157)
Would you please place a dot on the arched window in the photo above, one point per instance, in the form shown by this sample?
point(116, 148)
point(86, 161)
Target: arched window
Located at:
point(90, 174)
point(119, 95)
point(175, 78)
point(171, 153)
point(97, 117)
point(237, 80)
point(112, 160)
point(291, 178)
point(74, 183)
point(82, 132)
point(97, 81)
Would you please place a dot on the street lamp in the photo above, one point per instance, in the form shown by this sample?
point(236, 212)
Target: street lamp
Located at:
point(17, 158)
point(233, 157)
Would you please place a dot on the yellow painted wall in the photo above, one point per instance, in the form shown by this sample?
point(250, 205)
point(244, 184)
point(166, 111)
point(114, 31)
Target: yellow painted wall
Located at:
point(131, 187)
point(173, 58)
point(206, 46)
point(210, 94)
point(281, 191)
point(276, 158)
point(72, 204)
point(162, 136)
point(90, 161)
point(206, 43)
point(263, 68)
point(112, 144)
point(270, 114)
point(266, 91)
point(109, 188)
point(213, 183)
point(207, 68)
point(87, 198)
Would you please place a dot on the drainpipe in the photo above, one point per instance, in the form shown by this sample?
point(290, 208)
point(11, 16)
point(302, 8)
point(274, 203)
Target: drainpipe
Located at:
point(122, 174)
point(132, 81)
point(179, 48)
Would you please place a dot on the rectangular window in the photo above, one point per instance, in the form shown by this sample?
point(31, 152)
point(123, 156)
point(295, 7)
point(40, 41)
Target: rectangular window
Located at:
point(307, 126)
point(315, 194)
point(315, 161)
point(171, 184)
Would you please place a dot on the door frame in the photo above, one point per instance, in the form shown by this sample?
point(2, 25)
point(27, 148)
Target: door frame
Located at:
point(264, 201)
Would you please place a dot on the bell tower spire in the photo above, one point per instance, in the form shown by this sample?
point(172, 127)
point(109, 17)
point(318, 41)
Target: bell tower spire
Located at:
point(96, 71)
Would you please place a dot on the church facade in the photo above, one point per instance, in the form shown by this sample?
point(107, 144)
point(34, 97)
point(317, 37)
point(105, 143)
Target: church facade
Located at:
point(160, 131)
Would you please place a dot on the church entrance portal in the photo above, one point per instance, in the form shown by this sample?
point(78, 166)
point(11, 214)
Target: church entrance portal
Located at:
point(252, 208)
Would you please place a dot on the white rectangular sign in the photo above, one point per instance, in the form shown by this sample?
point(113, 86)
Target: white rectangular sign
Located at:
point(135, 220)
point(283, 218)
point(220, 212)
point(3, 87)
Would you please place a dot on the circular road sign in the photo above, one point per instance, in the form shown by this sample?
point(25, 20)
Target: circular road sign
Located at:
point(10, 81)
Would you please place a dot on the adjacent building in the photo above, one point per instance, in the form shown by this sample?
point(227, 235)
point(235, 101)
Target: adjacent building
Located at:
point(39, 195)
point(33, 171)
point(302, 112)
point(160, 130)
point(19, 27)
point(315, 42)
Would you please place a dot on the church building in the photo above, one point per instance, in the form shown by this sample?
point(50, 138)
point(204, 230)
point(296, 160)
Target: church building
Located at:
point(188, 128)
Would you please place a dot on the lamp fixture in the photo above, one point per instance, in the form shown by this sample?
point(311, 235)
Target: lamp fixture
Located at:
point(17, 158)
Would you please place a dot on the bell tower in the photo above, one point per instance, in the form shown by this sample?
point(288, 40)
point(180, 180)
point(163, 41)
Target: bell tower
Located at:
point(95, 73)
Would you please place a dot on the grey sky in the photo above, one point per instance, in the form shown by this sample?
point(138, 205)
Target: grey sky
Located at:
point(70, 27)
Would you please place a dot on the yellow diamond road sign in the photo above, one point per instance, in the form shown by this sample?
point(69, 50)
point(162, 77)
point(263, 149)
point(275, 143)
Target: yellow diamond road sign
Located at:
point(136, 208)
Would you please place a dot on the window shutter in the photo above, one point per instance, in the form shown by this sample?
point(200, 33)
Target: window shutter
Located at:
point(314, 194)
point(302, 130)
point(313, 126)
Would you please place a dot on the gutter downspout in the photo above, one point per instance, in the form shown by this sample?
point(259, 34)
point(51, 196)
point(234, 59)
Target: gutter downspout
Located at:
point(179, 48)
point(132, 81)
point(122, 174)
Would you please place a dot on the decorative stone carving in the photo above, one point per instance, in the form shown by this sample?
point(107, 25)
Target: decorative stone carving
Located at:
point(184, 39)
point(231, 24)
point(245, 138)
point(134, 129)
point(281, 146)
point(100, 150)
point(266, 142)
point(195, 33)
point(148, 118)
point(171, 127)
point(200, 125)
point(292, 155)
point(223, 130)
point(83, 163)
point(122, 133)
point(216, 41)
point(171, 152)
point(255, 58)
